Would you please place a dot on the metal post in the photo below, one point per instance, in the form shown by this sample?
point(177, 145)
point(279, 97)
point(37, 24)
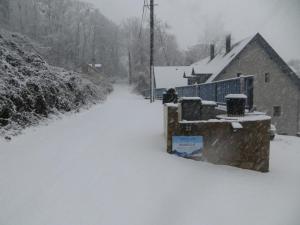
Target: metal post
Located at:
point(242, 85)
point(243, 89)
point(298, 116)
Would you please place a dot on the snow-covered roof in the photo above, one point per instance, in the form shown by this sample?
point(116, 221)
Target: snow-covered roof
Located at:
point(191, 98)
point(221, 60)
point(209, 103)
point(171, 76)
point(236, 96)
point(96, 65)
point(295, 71)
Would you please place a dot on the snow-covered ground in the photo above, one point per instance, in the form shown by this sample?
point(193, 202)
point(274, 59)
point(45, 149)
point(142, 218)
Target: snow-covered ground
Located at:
point(107, 166)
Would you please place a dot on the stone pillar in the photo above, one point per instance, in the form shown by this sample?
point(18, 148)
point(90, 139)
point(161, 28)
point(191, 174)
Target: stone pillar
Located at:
point(170, 123)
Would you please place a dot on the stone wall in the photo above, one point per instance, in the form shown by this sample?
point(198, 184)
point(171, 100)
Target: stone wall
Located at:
point(246, 148)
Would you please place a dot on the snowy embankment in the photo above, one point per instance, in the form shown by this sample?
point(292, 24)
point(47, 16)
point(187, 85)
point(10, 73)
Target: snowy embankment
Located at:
point(108, 166)
point(30, 89)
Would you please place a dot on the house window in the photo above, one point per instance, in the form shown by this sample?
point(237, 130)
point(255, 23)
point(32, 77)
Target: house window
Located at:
point(267, 78)
point(276, 111)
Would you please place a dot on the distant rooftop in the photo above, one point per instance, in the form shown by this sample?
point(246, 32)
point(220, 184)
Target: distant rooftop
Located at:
point(96, 65)
point(173, 76)
point(170, 76)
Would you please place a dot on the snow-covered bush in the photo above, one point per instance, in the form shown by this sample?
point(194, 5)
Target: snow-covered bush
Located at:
point(30, 89)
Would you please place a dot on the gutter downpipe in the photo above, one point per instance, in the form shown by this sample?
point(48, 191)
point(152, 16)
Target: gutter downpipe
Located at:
point(298, 113)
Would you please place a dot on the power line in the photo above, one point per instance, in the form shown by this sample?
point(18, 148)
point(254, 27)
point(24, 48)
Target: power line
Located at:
point(147, 4)
point(163, 43)
point(142, 20)
point(160, 34)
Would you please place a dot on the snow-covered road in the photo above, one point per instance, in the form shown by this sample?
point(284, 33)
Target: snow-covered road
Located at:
point(107, 166)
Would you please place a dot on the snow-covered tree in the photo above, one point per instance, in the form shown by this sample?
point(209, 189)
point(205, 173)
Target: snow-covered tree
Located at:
point(4, 12)
point(136, 42)
point(73, 32)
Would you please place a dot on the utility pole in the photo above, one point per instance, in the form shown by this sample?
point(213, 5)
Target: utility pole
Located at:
point(130, 68)
point(151, 50)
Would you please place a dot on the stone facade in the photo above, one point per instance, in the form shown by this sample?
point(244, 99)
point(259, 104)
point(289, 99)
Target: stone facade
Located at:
point(272, 87)
point(246, 148)
point(170, 123)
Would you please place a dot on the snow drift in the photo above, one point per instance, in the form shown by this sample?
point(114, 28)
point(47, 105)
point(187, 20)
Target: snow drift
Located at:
point(120, 174)
point(30, 89)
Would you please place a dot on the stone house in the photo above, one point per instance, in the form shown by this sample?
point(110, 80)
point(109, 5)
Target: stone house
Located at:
point(276, 85)
point(91, 68)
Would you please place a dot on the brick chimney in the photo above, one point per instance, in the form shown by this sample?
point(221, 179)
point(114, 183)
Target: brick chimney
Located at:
point(228, 43)
point(212, 51)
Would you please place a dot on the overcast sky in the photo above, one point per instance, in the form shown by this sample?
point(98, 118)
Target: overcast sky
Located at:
point(277, 20)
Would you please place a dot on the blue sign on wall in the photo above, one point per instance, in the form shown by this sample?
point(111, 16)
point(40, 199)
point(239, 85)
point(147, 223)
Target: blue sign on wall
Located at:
point(187, 146)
